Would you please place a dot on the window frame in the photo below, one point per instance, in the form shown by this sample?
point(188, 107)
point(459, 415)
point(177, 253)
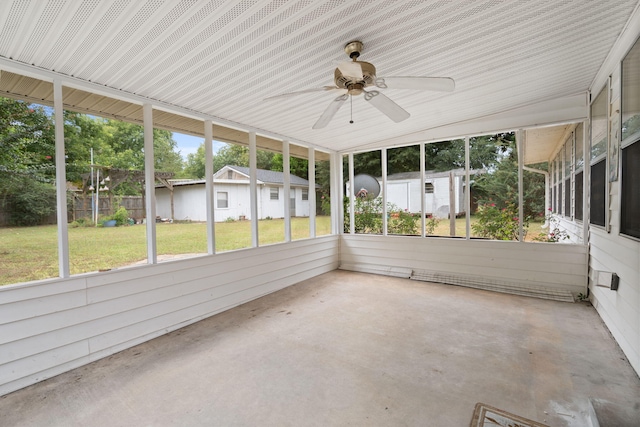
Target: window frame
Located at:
point(601, 157)
point(627, 141)
point(272, 193)
point(218, 200)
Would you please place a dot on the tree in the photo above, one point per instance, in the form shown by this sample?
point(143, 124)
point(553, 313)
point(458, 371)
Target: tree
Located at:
point(27, 143)
point(27, 162)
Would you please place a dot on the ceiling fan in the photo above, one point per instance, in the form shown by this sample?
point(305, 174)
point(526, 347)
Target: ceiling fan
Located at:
point(352, 77)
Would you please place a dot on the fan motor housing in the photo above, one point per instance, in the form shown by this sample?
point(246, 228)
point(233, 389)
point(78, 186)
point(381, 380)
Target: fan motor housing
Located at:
point(368, 78)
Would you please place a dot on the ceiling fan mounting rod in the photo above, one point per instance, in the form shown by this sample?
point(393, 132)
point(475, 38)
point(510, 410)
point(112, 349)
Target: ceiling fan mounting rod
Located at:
point(353, 49)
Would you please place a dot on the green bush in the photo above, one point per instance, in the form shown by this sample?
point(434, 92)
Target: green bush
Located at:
point(31, 202)
point(498, 224)
point(81, 222)
point(368, 218)
point(121, 216)
point(556, 234)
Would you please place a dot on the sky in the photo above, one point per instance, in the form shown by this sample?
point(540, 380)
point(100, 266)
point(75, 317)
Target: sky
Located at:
point(188, 144)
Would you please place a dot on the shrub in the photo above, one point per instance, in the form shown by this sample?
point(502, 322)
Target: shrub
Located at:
point(31, 202)
point(499, 224)
point(121, 216)
point(556, 234)
point(402, 222)
point(81, 222)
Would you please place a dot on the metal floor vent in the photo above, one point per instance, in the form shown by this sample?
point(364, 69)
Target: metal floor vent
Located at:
point(493, 285)
point(383, 270)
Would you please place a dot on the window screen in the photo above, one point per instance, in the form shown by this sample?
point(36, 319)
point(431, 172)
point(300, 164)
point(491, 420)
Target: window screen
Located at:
point(599, 132)
point(567, 197)
point(598, 189)
point(305, 194)
point(559, 199)
point(630, 216)
point(631, 93)
point(579, 198)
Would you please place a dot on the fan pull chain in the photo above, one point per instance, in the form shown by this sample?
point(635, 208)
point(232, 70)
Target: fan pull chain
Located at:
point(351, 99)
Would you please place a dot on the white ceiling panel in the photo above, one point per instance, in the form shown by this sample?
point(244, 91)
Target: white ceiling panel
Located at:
point(222, 58)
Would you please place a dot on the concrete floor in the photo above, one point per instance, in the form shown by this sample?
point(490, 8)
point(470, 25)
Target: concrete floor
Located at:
point(353, 349)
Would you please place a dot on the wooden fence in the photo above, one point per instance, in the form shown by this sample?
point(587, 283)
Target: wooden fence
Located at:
point(81, 206)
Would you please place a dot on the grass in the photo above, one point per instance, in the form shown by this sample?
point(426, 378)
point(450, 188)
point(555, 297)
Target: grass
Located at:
point(31, 253)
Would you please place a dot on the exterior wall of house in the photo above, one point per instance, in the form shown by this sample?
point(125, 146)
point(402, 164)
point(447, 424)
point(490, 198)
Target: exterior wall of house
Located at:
point(238, 201)
point(189, 202)
point(52, 326)
point(266, 206)
point(611, 252)
point(405, 194)
point(438, 202)
point(523, 266)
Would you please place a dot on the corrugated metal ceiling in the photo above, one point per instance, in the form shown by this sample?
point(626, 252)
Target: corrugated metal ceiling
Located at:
point(223, 58)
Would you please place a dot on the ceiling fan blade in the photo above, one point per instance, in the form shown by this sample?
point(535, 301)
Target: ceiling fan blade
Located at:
point(442, 84)
point(386, 105)
point(331, 111)
point(316, 89)
point(351, 69)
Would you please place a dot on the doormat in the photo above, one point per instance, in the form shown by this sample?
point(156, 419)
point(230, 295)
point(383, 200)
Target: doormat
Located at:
point(488, 416)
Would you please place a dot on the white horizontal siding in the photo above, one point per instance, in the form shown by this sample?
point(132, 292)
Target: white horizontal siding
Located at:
point(49, 327)
point(531, 265)
point(619, 309)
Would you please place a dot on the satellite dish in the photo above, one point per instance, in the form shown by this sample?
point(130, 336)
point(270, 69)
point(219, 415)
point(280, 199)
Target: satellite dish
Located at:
point(365, 186)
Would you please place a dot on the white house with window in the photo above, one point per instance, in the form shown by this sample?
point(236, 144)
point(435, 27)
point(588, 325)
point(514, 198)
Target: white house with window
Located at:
point(442, 190)
point(232, 196)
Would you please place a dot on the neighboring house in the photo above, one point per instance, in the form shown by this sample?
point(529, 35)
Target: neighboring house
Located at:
point(231, 196)
point(442, 189)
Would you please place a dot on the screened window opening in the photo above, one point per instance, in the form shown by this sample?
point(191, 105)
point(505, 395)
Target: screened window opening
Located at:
point(273, 193)
point(630, 215)
point(598, 188)
point(630, 175)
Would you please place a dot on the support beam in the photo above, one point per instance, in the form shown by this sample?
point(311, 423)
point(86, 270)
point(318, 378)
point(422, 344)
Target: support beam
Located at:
point(520, 144)
point(352, 224)
point(286, 190)
point(383, 161)
point(253, 188)
point(208, 178)
point(61, 182)
point(467, 193)
point(423, 199)
point(337, 193)
point(311, 167)
point(149, 184)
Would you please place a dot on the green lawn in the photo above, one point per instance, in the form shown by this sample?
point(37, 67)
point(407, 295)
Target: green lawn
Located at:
point(30, 253)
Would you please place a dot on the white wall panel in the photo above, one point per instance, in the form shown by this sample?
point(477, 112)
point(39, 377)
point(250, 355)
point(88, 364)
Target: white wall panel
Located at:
point(525, 265)
point(620, 310)
point(67, 323)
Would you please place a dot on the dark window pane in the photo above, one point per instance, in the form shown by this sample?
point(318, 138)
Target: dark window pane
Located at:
point(567, 197)
point(598, 188)
point(630, 219)
point(578, 199)
point(559, 200)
